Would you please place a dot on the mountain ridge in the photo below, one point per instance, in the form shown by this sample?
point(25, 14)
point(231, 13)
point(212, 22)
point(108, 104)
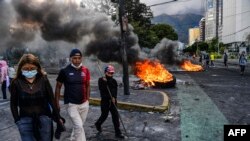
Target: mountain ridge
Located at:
point(180, 22)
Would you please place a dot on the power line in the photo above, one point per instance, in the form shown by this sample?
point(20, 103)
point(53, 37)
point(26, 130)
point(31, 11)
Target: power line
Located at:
point(162, 3)
point(237, 31)
point(236, 14)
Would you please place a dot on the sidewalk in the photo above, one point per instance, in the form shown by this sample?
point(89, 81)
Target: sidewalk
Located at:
point(149, 100)
point(138, 100)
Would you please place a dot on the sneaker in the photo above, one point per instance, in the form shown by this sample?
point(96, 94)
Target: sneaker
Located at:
point(120, 136)
point(98, 127)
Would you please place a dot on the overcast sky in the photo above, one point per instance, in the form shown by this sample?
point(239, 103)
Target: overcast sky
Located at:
point(178, 7)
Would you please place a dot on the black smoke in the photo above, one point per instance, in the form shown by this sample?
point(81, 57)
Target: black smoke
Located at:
point(57, 21)
point(166, 52)
point(93, 32)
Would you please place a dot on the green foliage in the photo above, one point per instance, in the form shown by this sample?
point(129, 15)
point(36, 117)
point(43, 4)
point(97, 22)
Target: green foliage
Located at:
point(139, 16)
point(213, 45)
point(232, 57)
point(164, 31)
point(190, 49)
point(147, 38)
point(138, 12)
point(202, 46)
point(216, 55)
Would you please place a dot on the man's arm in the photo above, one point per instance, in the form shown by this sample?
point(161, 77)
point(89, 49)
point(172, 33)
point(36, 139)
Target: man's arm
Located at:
point(57, 93)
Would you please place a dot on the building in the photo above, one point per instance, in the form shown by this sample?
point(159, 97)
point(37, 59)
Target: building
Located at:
point(236, 24)
point(202, 29)
point(194, 35)
point(213, 18)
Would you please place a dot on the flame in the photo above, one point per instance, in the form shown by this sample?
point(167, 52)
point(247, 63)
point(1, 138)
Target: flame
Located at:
point(188, 66)
point(152, 71)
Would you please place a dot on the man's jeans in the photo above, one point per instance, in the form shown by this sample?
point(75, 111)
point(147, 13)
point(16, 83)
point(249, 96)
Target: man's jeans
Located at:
point(26, 128)
point(78, 114)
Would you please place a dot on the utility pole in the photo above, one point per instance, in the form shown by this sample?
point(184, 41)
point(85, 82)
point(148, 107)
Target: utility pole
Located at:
point(123, 26)
point(218, 45)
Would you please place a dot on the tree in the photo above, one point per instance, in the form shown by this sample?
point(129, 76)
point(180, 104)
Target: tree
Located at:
point(147, 38)
point(203, 46)
point(139, 16)
point(139, 13)
point(164, 31)
point(213, 45)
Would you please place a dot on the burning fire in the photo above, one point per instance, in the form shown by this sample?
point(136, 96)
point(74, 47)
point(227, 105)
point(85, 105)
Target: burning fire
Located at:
point(188, 66)
point(152, 71)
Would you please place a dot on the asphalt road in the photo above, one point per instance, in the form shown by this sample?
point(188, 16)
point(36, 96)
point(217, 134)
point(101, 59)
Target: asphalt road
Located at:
point(200, 104)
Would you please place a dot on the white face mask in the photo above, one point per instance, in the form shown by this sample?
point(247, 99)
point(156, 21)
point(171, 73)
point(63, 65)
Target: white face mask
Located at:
point(77, 67)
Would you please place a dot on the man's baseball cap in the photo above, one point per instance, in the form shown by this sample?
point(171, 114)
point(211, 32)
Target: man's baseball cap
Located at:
point(75, 52)
point(109, 69)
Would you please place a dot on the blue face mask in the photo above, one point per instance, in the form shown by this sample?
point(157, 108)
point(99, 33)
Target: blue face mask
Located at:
point(29, 74)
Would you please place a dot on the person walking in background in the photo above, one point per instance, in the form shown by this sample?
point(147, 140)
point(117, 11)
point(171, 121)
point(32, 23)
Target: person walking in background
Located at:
point(200, 59)
point(242, 62)
point(76, 80)
point(225, 59)
point(11, 73)
point(4, 77)
point(108, 90)
point(207, 60)
point(32, 101)
point(212, 60)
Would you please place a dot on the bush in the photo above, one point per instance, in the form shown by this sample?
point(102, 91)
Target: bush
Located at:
point(216, 55)
point(232, 57)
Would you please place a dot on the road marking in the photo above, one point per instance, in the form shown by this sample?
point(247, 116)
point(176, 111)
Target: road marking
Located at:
point(201, 120)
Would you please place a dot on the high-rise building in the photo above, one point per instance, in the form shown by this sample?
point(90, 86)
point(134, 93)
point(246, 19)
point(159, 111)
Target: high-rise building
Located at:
point(213, 18)
point(194, 35)
point(219, 19)
point(202, 29)
point(236, 23)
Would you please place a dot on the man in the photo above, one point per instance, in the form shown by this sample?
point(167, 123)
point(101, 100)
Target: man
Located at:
point(108, 90)
point(207, 58)
point(225, 58)
point(212, 60)
point(76, 80)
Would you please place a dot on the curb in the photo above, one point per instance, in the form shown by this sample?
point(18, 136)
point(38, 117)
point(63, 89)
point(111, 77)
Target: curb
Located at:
point(138, 107)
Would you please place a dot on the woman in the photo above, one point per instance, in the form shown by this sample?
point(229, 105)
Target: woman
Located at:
point(32, 94)
point(242, 62)
point(3, 77)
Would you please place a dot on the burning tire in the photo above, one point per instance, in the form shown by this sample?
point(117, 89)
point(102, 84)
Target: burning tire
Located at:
point(163, 85)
